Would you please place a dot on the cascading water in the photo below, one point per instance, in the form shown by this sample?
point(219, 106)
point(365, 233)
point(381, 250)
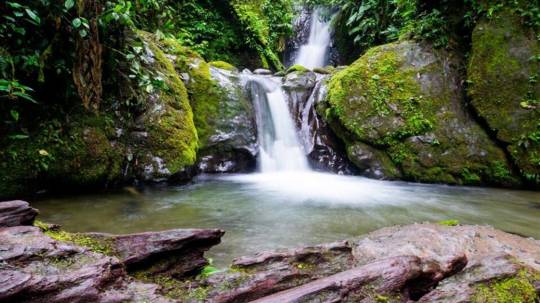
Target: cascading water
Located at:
point(280, 150)
point(313, 53)
point(279, 147)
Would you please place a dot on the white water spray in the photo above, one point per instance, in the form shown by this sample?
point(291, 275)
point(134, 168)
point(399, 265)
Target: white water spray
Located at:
point(313, 54)
point(279, 147)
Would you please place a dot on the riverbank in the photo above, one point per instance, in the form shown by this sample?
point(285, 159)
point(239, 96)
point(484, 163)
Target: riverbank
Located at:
point(420, 262)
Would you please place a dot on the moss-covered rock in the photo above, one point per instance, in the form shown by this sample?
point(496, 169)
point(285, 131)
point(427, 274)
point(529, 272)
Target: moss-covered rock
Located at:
point(170, 143)
point(223, 114)
point(81, 153)
point(405, 99)
point(223, 65)
point(297, 68)
point(504, 90)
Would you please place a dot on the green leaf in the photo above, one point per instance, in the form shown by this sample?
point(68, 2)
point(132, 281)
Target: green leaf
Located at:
point(68, 4)
point(24, 96)
point(83, 33)
point(32, 15)
point(14, 115)
point(76, 22)
point(19, 137)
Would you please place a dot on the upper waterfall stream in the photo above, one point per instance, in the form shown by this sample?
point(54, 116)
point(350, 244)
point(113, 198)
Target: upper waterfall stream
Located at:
point(313, 53)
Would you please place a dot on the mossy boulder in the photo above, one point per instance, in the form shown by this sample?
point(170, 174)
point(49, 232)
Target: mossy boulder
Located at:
point(297, 68)
point(77, 154)
point(166, 139)
point(405, 100)
point(504, 90)
point(223, 114)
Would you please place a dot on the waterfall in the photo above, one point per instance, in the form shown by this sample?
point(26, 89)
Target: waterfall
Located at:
point(313, 53)
point(279, 148)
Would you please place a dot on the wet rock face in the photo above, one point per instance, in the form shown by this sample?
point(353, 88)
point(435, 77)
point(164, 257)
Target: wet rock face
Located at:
point(232, 142)
point(400, 110)
point(301, 28)
point(15, 213)
point(304, 91)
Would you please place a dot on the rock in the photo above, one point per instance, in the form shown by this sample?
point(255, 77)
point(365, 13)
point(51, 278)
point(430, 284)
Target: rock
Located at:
point(420, 262)
point(394, 277)
point(262, 71)
point(170, 142)
point(371, 162)
point(268, 272)
point(36, 268)
point(223, 115)
point(177, 252)
point(405, 100)
point(492, 255)
point(304, 90)
point(502, 87)
point(296, 68)
point(15, 213)
point(231, 140)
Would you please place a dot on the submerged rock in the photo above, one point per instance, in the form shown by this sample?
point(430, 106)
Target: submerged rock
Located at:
point(405, 100)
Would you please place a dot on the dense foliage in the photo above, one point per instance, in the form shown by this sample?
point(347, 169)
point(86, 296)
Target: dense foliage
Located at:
point(444, 23)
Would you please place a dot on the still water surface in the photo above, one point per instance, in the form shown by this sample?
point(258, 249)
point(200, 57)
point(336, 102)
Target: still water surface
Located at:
point(269, 211)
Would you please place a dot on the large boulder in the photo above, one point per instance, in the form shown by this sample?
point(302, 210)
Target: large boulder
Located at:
point(164, 139)
point(223, 116)
point(404, 100)
point(150, 135)
point(504, 89)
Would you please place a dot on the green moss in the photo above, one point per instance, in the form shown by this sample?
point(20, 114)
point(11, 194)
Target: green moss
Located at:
point(95, 245)
point(223, 65)
point(296, 68)
point(173, 135)
point(449, 222)
point(79, 153)
point(267, 25)
point(502, 78)
point(518, 289)
point(404, 104)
